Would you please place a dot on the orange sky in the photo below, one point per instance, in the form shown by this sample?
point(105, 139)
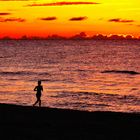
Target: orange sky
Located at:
point(69, 17)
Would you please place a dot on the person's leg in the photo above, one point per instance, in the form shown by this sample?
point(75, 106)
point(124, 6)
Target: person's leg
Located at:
point(35, 102)
point(40, 103)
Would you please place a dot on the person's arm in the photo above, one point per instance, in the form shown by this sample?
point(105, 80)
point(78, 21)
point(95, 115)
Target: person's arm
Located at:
point(35, 89)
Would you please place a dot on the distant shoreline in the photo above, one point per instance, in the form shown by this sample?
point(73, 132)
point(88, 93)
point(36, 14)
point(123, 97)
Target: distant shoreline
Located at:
point(79, 39)
point(80, 36)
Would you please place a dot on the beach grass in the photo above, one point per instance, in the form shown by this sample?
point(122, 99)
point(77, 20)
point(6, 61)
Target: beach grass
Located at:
point(31, 123)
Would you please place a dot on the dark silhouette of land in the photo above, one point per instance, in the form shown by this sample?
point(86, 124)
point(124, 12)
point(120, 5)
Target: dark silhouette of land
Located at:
point(79, 36)
point(29, 123)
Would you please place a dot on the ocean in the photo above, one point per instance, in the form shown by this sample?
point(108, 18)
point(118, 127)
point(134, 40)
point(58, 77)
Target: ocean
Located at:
point(88, 75)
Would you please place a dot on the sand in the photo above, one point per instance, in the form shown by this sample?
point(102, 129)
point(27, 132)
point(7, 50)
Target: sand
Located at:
point(31, 123)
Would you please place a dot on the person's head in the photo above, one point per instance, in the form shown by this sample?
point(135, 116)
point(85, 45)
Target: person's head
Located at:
point(39, 82)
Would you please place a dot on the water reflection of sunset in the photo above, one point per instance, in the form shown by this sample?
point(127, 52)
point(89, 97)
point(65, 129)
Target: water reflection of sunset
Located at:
point(41, 18)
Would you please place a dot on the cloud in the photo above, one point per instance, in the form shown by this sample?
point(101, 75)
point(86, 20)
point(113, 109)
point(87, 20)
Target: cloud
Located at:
point(5, 14)
point(12, 20)
point(77, 18)
point(130, 24)
point(48, 18)
point(120, 20)
point(62, 3)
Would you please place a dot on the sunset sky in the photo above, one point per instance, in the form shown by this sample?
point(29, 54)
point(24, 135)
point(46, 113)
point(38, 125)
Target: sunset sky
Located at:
point(69, 17)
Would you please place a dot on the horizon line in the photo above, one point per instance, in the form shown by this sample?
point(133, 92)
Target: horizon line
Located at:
point(80, 36)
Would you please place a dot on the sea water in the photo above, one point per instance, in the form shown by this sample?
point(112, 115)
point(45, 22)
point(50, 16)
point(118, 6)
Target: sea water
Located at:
point(86, 75)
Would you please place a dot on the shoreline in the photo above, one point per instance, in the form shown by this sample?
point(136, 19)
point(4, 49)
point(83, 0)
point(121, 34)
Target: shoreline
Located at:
point(27, 122)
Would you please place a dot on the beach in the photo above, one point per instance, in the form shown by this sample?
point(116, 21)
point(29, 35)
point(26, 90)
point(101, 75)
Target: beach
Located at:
point(29, 123)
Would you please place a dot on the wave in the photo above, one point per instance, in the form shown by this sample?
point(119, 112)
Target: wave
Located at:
point(83, 94)
point(23, 73)
point(43, 73)
point(121, 72)
point(100, 96)
point(17, 73)
point(80, 105)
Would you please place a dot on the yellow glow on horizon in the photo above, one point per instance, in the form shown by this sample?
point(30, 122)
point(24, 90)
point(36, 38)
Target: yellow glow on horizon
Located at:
point(98, 16)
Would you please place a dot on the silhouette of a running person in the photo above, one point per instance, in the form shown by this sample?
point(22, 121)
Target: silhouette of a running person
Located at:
point(39, 89)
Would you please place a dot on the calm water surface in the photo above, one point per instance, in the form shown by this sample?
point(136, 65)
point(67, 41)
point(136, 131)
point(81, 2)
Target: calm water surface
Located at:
point(82, 75)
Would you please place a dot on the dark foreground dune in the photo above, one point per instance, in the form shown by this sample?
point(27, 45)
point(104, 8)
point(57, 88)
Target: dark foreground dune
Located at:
point(28, 123)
